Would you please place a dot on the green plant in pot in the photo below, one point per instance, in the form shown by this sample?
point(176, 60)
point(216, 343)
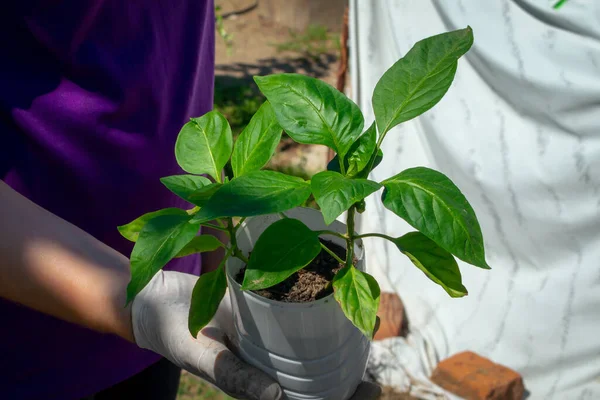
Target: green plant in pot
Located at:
point(304, 306)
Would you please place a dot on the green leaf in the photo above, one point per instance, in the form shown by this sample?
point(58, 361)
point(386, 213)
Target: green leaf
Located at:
point(334, 165)
point(311, 111)
point(204, 145)
point(184, 185)
point(201, 196)
point(256, 144)
point(200, 244)
point(358, 157)
point(361, 151)
point(131, 231)
point(366, 171)
point(284, 247)
point(335, 193)
point(431, 203)
point(361, 206)
point(435, 262)
point(419, 80)
point(358, 295)
point(206, 297)
point(160, 240)
point(257, 193)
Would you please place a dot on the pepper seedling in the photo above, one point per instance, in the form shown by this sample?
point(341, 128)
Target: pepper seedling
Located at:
point(313, 112)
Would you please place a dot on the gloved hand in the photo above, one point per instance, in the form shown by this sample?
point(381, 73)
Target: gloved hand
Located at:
point(159, 318)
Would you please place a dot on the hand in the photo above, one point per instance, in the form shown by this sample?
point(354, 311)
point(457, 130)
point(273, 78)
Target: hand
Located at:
point(159, 318)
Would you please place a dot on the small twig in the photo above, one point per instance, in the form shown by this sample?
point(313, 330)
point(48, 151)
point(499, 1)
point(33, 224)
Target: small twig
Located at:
point(241, 11)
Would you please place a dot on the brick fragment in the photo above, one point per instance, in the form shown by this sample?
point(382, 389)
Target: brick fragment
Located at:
point(474, 377)
point(393, 318)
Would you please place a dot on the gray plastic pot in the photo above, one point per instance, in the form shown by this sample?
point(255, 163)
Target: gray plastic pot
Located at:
point(311, 349)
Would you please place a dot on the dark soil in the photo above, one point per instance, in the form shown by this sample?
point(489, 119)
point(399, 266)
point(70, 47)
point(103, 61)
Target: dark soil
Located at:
point(310, 283)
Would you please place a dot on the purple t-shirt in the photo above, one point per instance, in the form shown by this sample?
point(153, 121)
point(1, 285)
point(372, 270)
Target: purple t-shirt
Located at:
point(92, 97)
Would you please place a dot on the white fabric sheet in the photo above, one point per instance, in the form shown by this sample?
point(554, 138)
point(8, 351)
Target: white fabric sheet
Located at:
point(519, 133)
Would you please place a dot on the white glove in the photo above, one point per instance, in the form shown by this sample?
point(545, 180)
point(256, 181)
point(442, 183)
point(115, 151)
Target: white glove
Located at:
point(160, 323)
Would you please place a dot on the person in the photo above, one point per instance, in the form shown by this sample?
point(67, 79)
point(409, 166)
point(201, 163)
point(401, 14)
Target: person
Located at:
point(519, 133)
point(93, 95)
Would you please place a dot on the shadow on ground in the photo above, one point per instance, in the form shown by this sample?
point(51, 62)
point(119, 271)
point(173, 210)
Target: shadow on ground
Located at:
point(318, 68)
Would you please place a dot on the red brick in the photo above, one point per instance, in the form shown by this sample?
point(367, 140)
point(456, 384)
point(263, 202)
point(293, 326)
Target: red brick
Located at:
point(393, 322)
point(476, 378)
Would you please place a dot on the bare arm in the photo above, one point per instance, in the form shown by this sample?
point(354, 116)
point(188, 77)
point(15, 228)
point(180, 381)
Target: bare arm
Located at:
point(54, 267)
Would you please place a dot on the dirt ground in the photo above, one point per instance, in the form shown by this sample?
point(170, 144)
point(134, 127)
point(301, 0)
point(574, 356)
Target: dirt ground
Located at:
point(255, 48)
point(252, 49)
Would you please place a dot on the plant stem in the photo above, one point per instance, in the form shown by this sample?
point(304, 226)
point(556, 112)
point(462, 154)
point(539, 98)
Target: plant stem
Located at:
point(237, 253)
point(350, 236)
point(332, 254)
point(379, 235)
point(377, 147)
point(239, 224)
point(231, 229)
point(233, 239)
point(334, 233)
point(218, 228)
point(227, 255)
point(221, 224)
